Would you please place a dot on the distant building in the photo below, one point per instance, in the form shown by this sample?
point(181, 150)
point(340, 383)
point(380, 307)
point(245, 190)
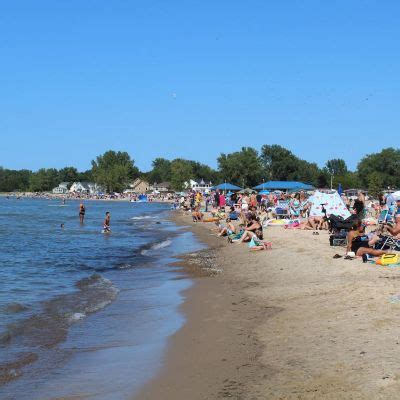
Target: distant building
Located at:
point(86, 188)
point(161, 187)
point(201, 186)
point(62, 188)
point(138, 186)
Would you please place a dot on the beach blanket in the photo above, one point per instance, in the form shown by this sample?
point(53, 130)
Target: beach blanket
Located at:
point(334, 205)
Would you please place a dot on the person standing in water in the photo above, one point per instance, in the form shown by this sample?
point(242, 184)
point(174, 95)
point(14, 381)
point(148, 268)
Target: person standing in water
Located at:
point(106, 224)
point(82, 211)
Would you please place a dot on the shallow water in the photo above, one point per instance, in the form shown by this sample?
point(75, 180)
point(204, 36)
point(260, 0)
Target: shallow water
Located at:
point(84, 313)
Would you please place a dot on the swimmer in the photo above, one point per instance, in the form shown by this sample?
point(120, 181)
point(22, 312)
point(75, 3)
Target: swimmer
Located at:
point(106, 224)
point(82, 211)
point(62, 226)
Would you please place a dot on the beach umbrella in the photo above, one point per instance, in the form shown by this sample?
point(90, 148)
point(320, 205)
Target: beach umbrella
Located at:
point(395, 195)
point(247, 191)
point(226, 186)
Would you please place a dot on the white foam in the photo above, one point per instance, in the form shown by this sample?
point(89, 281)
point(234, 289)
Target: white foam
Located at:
point(157, 246)
point(77, 317)
point(140, 217)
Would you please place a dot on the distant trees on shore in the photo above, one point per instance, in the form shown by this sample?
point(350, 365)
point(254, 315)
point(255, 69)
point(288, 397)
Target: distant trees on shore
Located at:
point(245, 167)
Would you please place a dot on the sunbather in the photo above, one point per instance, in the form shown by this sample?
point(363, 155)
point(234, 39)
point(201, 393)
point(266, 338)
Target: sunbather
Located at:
point(253, 228)
point(197, 215)
point(395, 230)
point(360, 243)
point(229, 229)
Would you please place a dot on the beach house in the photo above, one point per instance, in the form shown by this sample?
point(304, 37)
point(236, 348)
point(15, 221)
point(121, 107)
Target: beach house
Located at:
point(86, 188)
point(161, 187)
point(62, 188)
point(138, 186)
point(201, 186)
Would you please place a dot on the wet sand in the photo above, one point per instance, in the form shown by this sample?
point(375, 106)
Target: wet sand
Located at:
point(290, 323)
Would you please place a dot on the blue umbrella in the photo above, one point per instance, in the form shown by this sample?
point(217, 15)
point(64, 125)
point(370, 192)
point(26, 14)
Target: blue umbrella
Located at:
point(226, 186)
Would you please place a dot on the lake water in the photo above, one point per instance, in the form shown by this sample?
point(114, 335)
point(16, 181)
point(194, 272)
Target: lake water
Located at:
point(84, 313)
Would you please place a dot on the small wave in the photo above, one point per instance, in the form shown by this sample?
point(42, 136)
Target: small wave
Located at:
point(76, 317)
point(156, 246)
point(140, 217)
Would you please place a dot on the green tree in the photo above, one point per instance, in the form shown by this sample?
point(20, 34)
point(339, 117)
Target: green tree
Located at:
point(44, 180)
point(68, 174)
point(242, 167)
point(181, 172)
point(114, 170)
point(11, 180)
point(280, 163)
point(161, 171)
point(336, 166)
point(386, 163)
point(85, 176)
point(375, 184)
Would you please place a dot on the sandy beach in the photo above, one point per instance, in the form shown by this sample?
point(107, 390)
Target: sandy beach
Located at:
point(290, 323)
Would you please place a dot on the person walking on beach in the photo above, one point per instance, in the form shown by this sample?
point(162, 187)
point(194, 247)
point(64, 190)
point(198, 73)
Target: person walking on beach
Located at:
point(216, 199)
point(82, 211)
point(106, 224)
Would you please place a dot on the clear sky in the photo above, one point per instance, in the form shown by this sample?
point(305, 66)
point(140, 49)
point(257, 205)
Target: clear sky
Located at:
point(195, 78)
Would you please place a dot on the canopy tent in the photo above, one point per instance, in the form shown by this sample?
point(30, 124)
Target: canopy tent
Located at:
point(247, 191)
point(226, 186)
point(333, 204)
point(284, 185)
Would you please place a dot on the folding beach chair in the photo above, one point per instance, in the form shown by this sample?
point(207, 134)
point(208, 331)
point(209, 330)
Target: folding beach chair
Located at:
point(282, 210)
point(388, 243)
point(385, 217)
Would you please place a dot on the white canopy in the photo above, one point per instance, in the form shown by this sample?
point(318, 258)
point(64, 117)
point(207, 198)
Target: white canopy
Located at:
point(333, 205)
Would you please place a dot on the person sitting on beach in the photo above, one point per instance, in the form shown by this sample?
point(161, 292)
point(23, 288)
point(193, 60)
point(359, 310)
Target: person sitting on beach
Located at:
point(395, 230)
point(233, 214)
point(295, 206)
point(360, 243)
point(229, 229)
point(252, 227)
point(197, 215)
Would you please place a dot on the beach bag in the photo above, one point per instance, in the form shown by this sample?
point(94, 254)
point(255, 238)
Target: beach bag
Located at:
point(388, 259)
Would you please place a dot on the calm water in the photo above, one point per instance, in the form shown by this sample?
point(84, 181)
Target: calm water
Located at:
point(84, 313)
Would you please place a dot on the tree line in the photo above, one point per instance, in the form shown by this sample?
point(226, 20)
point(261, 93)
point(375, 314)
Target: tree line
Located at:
point(246, 167)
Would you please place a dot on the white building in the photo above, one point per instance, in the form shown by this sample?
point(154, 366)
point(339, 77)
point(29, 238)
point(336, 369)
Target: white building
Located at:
point(86, 187)
point(62, 188)
point(201, 186)
point(161, 187)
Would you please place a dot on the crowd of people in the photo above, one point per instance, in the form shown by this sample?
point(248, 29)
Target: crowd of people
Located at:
point(243, 217)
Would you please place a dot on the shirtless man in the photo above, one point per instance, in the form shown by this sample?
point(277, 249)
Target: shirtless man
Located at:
point(106, 224)
point(81, 213)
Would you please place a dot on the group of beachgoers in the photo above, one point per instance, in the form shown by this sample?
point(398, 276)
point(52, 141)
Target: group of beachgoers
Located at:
point(81, 214)
point(242, 217)
point(83, 196)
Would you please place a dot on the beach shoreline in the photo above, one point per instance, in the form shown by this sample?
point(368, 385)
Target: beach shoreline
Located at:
point(290, 323)
point(199, 362)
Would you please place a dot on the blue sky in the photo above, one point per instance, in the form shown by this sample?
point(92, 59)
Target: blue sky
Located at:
point(195, 78)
